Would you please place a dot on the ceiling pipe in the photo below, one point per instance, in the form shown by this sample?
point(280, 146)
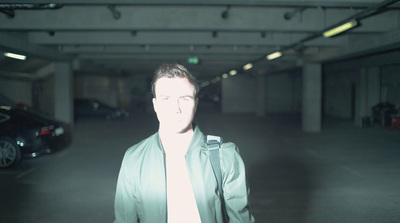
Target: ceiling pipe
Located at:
point(9, 13)
point(9, 9)
point(370, 11)
point(373, 10)
point(225, 13)
point(298, 12)
point(115, 13)
point(30, 6)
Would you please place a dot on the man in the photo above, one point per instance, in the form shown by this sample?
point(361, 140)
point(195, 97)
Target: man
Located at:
point(168, 177)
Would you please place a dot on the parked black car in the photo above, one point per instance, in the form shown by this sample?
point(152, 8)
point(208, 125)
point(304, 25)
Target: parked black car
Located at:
point(25, 134)
point(96, 108)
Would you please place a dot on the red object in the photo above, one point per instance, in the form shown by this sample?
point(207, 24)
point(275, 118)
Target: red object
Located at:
point(45, 132)
point(395, 123)
point(22, 106)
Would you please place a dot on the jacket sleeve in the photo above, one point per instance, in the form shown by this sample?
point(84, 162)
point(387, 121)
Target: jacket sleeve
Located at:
point(235, 186)
point(124, 207)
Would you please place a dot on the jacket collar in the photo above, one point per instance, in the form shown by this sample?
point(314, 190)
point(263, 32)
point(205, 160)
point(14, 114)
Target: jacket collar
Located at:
point(197, 140)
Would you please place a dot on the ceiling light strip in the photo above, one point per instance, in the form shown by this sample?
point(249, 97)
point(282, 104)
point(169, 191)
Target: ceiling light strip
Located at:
point(341, 28)
point(15, 56)
point(274, 55)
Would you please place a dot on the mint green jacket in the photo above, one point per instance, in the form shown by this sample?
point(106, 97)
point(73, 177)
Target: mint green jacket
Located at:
point(141, 188)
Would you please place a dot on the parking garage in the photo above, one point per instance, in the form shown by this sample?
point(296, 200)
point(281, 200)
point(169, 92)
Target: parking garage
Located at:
point(317, 145)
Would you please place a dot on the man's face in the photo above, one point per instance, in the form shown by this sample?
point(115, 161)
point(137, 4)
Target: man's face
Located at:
point(175, 104)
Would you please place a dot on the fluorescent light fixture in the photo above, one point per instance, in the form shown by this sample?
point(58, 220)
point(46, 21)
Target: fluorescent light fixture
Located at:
point(215, 80)
point(233, 72)
point(225, 75)
point(248, 66)
point(205, 84)
point(15, 56)
point(274, 55)
point(341, 28)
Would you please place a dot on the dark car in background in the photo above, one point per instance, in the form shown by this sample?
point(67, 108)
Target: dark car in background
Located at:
point(96, 108)
point(25, 134)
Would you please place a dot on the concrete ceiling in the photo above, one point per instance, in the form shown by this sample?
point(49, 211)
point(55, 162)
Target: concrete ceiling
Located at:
point(134, 37)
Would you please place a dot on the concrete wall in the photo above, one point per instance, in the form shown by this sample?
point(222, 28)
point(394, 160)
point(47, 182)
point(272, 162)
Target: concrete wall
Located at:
point(371, 84)
point(283, 93)
point(338, 93)
point(38, 94)
point(238, 94)
point(128, 91)
point(390, 84)
point(43, 96)
point(96, 87)
point(19, 91)
point(135, 93)
point(341, 85)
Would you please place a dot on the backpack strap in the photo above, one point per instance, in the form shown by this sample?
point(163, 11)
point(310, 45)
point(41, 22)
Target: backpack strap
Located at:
point(213, 145)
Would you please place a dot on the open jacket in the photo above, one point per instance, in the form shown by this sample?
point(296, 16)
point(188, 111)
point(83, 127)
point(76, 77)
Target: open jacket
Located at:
point(141, 189)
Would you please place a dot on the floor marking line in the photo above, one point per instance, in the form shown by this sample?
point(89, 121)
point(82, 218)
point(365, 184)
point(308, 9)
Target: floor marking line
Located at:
point(21, 175)
point(348, 169)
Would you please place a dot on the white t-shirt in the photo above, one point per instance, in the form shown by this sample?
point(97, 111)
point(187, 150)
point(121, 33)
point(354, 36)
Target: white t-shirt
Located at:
point(182, 207)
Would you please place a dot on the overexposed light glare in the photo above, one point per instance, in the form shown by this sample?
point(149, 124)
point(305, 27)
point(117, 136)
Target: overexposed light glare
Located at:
point(20, 143)
point(216, 79)
point(274, 55)
point(225, 75)
point(205, 84)
point(233, 72)
point(15, 56)
point(248, 66)
point(340, 29)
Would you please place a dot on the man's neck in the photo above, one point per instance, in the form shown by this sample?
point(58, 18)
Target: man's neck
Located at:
point(176, 141)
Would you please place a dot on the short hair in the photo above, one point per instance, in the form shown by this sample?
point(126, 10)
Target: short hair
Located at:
point(173, 71)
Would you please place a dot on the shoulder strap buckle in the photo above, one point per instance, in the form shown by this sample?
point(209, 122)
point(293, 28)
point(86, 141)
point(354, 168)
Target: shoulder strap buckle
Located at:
point(213, 142)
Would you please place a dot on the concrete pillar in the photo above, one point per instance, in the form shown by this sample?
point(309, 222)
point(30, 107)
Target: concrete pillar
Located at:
point(260, 104)
point(311, 103)
point(63, 95)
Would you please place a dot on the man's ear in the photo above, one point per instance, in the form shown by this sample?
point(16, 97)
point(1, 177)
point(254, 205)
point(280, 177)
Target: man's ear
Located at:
point(154, 104)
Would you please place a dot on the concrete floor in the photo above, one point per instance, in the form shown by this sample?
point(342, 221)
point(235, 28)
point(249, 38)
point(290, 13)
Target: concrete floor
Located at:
point(343, 174)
